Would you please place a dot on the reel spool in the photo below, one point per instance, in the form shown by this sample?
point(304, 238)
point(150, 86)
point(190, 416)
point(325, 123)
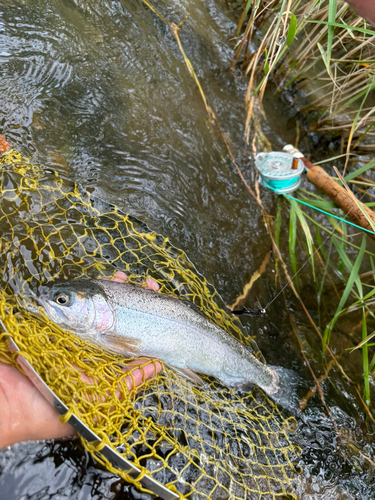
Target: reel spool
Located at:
point(280, 172)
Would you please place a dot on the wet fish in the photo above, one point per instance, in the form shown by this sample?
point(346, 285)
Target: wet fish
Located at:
point(136, 321)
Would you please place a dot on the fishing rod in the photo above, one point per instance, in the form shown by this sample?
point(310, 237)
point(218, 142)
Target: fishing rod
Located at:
point(281, 172)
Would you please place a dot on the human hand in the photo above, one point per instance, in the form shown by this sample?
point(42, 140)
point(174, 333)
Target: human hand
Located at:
point(26, 415)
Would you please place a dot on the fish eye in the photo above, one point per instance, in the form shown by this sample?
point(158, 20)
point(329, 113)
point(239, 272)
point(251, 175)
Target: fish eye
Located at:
point(62, 298)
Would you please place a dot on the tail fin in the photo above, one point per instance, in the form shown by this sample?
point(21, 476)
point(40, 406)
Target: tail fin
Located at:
point(266, 378)
point(287, 396)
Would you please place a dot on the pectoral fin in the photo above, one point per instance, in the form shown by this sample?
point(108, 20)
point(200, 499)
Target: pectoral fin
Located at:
point(187, 373)
point(124, 345)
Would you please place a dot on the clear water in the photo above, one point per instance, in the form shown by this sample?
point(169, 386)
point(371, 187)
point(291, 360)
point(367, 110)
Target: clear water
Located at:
point(98, 90)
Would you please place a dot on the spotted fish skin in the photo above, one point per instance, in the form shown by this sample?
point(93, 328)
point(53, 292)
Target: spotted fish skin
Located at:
point(140, 322)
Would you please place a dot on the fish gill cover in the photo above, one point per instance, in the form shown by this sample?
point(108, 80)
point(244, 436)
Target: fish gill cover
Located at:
point(200, 442)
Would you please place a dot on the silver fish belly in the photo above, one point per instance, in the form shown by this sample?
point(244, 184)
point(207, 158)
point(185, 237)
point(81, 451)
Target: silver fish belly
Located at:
point(147, 323)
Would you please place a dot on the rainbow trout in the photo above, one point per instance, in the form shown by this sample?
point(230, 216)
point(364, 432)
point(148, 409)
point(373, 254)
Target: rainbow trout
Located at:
point(135, 321)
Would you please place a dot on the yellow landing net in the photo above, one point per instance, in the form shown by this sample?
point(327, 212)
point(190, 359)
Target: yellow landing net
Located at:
point(200, 442)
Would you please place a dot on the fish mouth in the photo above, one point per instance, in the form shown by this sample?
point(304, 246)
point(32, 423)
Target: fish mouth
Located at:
point(42, 296)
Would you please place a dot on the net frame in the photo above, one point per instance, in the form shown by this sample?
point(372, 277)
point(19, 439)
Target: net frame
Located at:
point(200, 442)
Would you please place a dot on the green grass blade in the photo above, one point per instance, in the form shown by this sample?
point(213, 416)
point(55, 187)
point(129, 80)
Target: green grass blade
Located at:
point(266, 63)
point(291, 30)
point(326, 160)
point(345, 26)
point(292, 243)
point(337, 237)
point(324, 205)
point(314, 195)
point(363, 342)
point(320, 242)
point(331, 29)
point(358, 114)
point(360, 171)
point(364, 299)
point(353, 279)
point(345, 259)
point(353, 99)
point(324, 56)
point(366, 371)
point(278, 229)
point(307, 232)
point(327, 263)
point(243, 17)
point(364, 134)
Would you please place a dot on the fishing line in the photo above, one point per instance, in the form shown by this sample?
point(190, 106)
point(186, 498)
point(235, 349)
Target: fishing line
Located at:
point(331, 215)
point(262, 311)
point(317, 250)
point(299, 270)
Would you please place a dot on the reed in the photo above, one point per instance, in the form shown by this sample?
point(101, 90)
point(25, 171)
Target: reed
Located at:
point(321, 49)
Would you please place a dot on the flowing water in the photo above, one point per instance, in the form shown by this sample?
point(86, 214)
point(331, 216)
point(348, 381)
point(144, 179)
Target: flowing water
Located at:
point(99, 91)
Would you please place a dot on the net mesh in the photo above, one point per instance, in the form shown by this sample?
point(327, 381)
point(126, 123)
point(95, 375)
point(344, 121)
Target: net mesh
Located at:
point(201, 442)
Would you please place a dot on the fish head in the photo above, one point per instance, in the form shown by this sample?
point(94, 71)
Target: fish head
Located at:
point(79, 306)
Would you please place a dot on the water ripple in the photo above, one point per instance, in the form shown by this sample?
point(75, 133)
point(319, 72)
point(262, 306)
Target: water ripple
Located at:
point(98, 90)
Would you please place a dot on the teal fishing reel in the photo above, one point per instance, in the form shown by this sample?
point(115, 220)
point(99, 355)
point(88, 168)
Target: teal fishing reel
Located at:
point(280, 172)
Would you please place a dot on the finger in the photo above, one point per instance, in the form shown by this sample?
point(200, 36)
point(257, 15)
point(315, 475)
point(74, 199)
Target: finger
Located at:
point(121, 277)
point(137, 376)
point(149, 368)
point(152, 284)
point(4, 145)
point(118, 277)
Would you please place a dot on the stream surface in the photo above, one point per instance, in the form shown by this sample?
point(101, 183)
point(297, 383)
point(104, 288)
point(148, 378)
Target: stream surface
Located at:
point(98, 90)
